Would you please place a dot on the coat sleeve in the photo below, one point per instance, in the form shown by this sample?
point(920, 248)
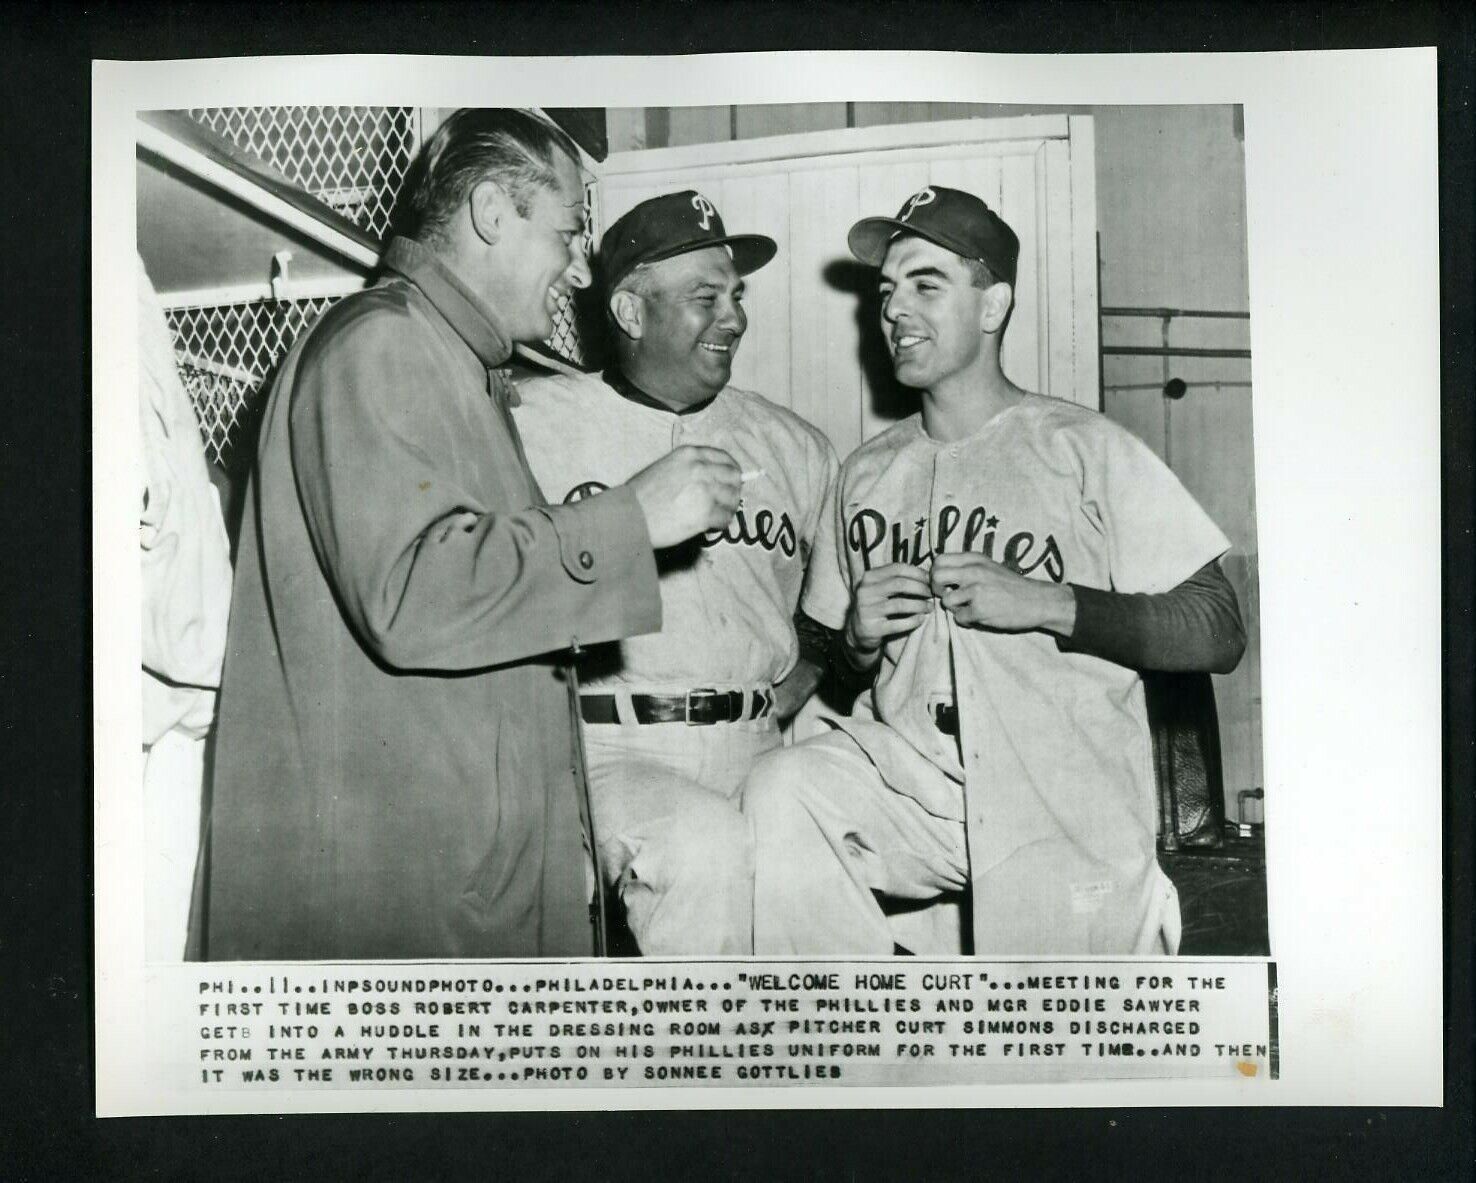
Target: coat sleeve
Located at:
point(431, 575)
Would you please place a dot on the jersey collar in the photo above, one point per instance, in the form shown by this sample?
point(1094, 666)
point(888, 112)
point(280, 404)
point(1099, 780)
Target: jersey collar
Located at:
point(626, 389)
point(473, 319)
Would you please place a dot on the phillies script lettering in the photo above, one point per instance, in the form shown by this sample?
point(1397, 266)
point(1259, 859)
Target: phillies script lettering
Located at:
point(879, 541)
point(762, 528)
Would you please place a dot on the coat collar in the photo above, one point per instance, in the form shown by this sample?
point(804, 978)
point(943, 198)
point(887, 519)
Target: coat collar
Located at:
point(473, 319)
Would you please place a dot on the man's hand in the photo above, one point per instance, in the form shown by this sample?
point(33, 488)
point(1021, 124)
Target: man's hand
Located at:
point(688, 491)
point(984, 594)
point(889, 601)
point(795, 690)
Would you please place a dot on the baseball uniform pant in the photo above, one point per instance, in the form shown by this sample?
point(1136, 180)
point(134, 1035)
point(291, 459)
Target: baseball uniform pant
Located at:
point(828, 833)
point(174, 775)
point(664, 800)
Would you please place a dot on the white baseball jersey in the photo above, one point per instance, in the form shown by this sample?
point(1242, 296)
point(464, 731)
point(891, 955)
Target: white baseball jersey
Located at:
point(1054, 747)
point(727, 600)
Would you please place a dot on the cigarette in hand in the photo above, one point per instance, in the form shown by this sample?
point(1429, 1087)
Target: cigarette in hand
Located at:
point(751, 474)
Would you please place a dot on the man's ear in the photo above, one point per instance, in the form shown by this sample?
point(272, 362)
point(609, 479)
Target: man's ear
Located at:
point(995, 308)
point(490, 208)
point(628, 311)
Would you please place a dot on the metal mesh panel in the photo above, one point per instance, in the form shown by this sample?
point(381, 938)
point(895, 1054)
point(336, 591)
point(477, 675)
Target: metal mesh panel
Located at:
point(353, 159)
point(566, 340)
point(225, 353)
point(350, 158)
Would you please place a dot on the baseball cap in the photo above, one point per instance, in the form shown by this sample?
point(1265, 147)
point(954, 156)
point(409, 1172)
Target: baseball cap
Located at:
point(670, 225)
point(955, 220)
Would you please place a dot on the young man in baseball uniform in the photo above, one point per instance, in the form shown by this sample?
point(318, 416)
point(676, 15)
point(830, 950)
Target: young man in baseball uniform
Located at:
point(1001, 565)
point(674, 720)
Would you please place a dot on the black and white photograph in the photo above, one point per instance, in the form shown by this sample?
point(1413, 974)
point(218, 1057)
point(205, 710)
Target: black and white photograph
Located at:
point(702, 346)
point(785, 575)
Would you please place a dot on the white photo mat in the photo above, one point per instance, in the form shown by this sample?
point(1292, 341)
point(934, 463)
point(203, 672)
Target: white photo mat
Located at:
point(1341, 172)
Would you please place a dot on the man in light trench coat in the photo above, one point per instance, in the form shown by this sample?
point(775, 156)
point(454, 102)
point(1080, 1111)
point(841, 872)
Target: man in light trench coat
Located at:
point(397, 773)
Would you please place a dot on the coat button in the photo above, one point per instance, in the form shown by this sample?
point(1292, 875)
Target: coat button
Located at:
point(586, 560)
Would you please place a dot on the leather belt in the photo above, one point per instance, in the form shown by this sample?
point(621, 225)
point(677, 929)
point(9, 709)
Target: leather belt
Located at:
point(945, 717)
point(696, 708)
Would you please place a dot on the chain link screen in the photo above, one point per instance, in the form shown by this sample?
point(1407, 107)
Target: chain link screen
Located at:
point(566, 340)
point(225, 353)
point(352, 159)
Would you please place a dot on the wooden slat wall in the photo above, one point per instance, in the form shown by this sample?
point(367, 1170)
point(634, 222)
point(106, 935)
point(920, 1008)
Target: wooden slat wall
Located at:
point(882, 190)
point(1019, 196)
point(765, 202)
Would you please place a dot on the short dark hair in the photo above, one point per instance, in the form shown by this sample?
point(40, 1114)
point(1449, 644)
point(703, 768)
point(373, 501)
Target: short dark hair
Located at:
point(517, 149)
point(980, 275)
point(637, 281)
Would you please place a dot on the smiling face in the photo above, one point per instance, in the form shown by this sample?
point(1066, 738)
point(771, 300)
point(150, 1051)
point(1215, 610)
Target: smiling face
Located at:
point(931, 313)
point(541, 256)
point(691, 322)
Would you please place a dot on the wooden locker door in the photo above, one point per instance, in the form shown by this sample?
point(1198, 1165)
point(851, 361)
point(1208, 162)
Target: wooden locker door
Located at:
point(813, 343)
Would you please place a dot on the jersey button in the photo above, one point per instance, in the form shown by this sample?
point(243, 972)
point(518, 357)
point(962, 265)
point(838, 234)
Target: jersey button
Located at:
point(586, 560)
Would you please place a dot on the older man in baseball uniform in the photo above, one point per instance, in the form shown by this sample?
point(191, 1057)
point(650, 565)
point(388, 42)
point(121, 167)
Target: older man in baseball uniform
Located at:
point(1002, 564)
point(673, 720)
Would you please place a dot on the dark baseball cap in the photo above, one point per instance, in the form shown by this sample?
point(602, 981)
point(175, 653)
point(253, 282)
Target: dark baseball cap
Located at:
point(670, 225)
point(955, 220)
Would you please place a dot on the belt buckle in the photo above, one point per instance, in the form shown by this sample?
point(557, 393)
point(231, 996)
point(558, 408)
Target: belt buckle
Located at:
point(705, 694)
point(763, 703)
